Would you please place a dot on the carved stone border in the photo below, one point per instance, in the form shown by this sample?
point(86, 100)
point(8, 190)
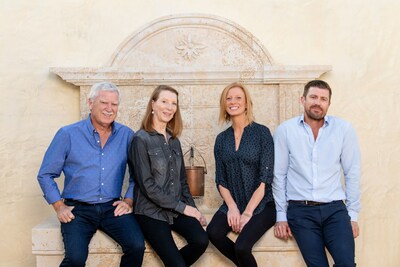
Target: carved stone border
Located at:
point(121, 76)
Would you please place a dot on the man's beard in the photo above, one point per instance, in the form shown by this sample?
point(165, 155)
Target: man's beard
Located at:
point(315, 116)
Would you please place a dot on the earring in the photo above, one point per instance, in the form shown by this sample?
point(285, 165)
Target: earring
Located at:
point(152, 112)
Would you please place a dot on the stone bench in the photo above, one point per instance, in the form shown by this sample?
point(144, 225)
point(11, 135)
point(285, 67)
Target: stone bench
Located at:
point(48, 248)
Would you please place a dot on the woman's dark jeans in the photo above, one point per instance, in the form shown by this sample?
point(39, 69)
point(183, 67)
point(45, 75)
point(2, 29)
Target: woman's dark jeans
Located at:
point(239, 252)
point(158, 234)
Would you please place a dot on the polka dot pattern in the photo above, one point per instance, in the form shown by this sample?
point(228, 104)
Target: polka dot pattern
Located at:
point(241, 171)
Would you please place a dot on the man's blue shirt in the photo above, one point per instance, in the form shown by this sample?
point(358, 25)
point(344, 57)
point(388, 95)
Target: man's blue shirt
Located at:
point(308, 169)
point(92, 174)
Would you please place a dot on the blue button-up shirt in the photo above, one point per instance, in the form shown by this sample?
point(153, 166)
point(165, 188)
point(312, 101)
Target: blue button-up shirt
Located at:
point(308, 169)
point(92, 174)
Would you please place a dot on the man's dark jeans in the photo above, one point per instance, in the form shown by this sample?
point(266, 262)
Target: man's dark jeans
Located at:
point(88, 218)
point(316, 227)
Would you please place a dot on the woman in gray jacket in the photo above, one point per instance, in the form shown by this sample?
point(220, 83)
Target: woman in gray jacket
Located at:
point(162, 198)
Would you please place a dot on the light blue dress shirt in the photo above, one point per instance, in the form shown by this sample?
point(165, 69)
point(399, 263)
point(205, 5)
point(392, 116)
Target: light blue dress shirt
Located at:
point(92, 174)
point(308, 169)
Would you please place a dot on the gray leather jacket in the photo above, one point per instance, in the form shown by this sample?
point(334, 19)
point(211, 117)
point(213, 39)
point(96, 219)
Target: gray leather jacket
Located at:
point(161, 190)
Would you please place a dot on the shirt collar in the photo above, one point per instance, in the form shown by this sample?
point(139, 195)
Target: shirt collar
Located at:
point(327, 120)
point(154, 132)
point(91, 128)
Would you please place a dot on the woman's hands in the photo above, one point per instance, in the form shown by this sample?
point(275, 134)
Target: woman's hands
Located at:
point(236, 220)
point(123, 207)
point(233, 217)
point(195, 213)
point(244, 219)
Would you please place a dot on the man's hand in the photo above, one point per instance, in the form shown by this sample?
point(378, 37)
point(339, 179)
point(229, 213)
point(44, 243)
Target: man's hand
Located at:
point(64, 212)
point(123, 207)
point(282, 230)
point(356, 230)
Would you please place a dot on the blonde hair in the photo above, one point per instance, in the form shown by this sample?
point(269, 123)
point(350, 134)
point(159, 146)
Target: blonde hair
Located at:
point(223, 115)
point(175, 125)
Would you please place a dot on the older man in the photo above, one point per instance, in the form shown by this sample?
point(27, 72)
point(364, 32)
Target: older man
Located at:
point(311, 152)
point(92, 153)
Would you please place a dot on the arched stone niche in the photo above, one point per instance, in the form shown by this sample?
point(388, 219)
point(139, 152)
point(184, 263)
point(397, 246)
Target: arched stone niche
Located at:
point(198, 55)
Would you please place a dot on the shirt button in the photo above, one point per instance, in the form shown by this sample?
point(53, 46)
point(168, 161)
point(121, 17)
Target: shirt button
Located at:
point(102, 154)
point(98, 141)
point(102, 183)
point(172, 183)
point(102, 169)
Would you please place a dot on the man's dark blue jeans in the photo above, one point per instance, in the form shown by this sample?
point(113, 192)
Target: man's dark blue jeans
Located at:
point(89, 218)
point(316, 227)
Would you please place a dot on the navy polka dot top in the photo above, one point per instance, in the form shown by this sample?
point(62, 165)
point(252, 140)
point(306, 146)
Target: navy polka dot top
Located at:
point(242, 171)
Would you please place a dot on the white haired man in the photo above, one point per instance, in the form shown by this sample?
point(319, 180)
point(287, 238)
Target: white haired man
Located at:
point(92, 154)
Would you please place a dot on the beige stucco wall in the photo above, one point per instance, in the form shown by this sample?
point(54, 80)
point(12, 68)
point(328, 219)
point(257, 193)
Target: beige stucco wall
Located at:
point(358, 38)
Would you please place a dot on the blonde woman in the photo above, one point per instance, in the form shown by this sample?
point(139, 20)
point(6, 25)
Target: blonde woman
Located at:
point(244, 158)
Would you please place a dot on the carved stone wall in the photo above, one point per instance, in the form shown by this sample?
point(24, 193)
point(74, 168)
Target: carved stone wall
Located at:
point(198, 55)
